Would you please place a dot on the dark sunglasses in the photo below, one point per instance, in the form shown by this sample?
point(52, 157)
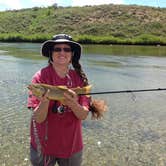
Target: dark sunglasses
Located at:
point(58, 49)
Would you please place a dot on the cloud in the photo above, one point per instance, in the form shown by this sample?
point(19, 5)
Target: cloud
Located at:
point(15, 4)
point(95, 2)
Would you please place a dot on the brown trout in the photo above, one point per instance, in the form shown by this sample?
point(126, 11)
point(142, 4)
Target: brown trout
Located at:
point(55, 92)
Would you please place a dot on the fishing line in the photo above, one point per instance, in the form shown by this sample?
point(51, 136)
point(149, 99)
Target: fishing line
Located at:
point(124, 91)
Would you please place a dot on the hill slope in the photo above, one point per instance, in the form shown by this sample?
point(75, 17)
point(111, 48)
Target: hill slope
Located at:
point(89, 24)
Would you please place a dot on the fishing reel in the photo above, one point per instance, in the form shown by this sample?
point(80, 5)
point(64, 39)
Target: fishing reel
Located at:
point(58, 108)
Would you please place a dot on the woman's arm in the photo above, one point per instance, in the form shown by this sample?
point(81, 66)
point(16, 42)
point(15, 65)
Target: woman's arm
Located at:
point(71, 100)
point(41, 111)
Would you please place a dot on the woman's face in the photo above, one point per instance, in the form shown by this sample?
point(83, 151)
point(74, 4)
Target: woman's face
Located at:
point(61, 54)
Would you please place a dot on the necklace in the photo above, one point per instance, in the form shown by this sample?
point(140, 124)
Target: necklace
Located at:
point(58, 107)
point(69, 81)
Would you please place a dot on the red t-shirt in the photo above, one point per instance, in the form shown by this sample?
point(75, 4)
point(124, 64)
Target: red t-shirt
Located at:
point(64, 132)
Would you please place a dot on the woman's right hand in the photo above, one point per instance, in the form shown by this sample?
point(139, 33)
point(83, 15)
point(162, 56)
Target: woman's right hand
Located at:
point(44, 98)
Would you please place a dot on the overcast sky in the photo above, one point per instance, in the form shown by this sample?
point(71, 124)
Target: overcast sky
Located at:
point(18, 4)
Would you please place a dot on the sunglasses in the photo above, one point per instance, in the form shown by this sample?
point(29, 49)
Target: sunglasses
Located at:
point(58, 49)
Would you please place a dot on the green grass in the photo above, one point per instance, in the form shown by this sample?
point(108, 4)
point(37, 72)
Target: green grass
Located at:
point(103, 24)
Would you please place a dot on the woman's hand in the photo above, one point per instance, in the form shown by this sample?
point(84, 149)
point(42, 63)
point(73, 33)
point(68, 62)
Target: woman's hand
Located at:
point(41, 111)
point(71, 98)
point(43, 98)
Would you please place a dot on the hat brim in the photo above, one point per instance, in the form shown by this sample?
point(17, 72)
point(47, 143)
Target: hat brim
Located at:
point(48, 45)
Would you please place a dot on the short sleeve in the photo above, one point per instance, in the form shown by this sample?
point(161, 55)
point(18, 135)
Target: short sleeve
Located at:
point(84, 101)
point(32, 100)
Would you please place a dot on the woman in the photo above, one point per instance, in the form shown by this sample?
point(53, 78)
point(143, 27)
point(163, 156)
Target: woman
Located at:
point(56, 132)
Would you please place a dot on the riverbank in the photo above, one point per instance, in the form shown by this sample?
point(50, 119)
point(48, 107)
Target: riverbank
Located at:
point(144, 39)
point(100, 24)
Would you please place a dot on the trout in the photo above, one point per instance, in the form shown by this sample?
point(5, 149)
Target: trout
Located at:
point(55, 92)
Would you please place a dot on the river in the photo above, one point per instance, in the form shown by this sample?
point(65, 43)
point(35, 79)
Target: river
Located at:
point(133, 130)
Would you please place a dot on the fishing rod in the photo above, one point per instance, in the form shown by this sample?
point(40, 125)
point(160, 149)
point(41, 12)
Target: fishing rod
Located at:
point(124, 91)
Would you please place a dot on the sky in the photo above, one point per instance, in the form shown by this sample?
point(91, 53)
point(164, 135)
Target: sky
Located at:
point(19, 4)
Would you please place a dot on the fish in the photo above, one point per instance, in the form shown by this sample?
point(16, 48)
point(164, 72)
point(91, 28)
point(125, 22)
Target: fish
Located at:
point(55, 92)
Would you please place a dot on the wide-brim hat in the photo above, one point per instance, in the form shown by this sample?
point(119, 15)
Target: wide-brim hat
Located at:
point(48, 45)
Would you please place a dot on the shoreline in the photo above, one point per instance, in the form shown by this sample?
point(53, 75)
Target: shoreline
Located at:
point(144, 39)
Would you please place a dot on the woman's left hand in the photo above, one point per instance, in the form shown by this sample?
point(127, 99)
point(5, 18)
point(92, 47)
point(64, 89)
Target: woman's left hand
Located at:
point(71, 98)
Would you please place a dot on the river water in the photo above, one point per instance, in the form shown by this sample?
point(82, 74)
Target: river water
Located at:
point(133, 130)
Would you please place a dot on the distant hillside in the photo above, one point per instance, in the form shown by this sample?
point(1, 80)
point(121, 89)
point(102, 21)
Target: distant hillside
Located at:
point(121, 24)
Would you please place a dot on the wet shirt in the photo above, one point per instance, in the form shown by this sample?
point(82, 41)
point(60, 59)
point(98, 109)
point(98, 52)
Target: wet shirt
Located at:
point(60, 135)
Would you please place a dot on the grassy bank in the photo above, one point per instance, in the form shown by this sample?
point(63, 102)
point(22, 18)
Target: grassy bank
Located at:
point(88, 39)
point(103, 24)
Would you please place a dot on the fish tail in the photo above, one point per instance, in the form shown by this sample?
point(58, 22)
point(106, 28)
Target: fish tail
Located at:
point(83, 90)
